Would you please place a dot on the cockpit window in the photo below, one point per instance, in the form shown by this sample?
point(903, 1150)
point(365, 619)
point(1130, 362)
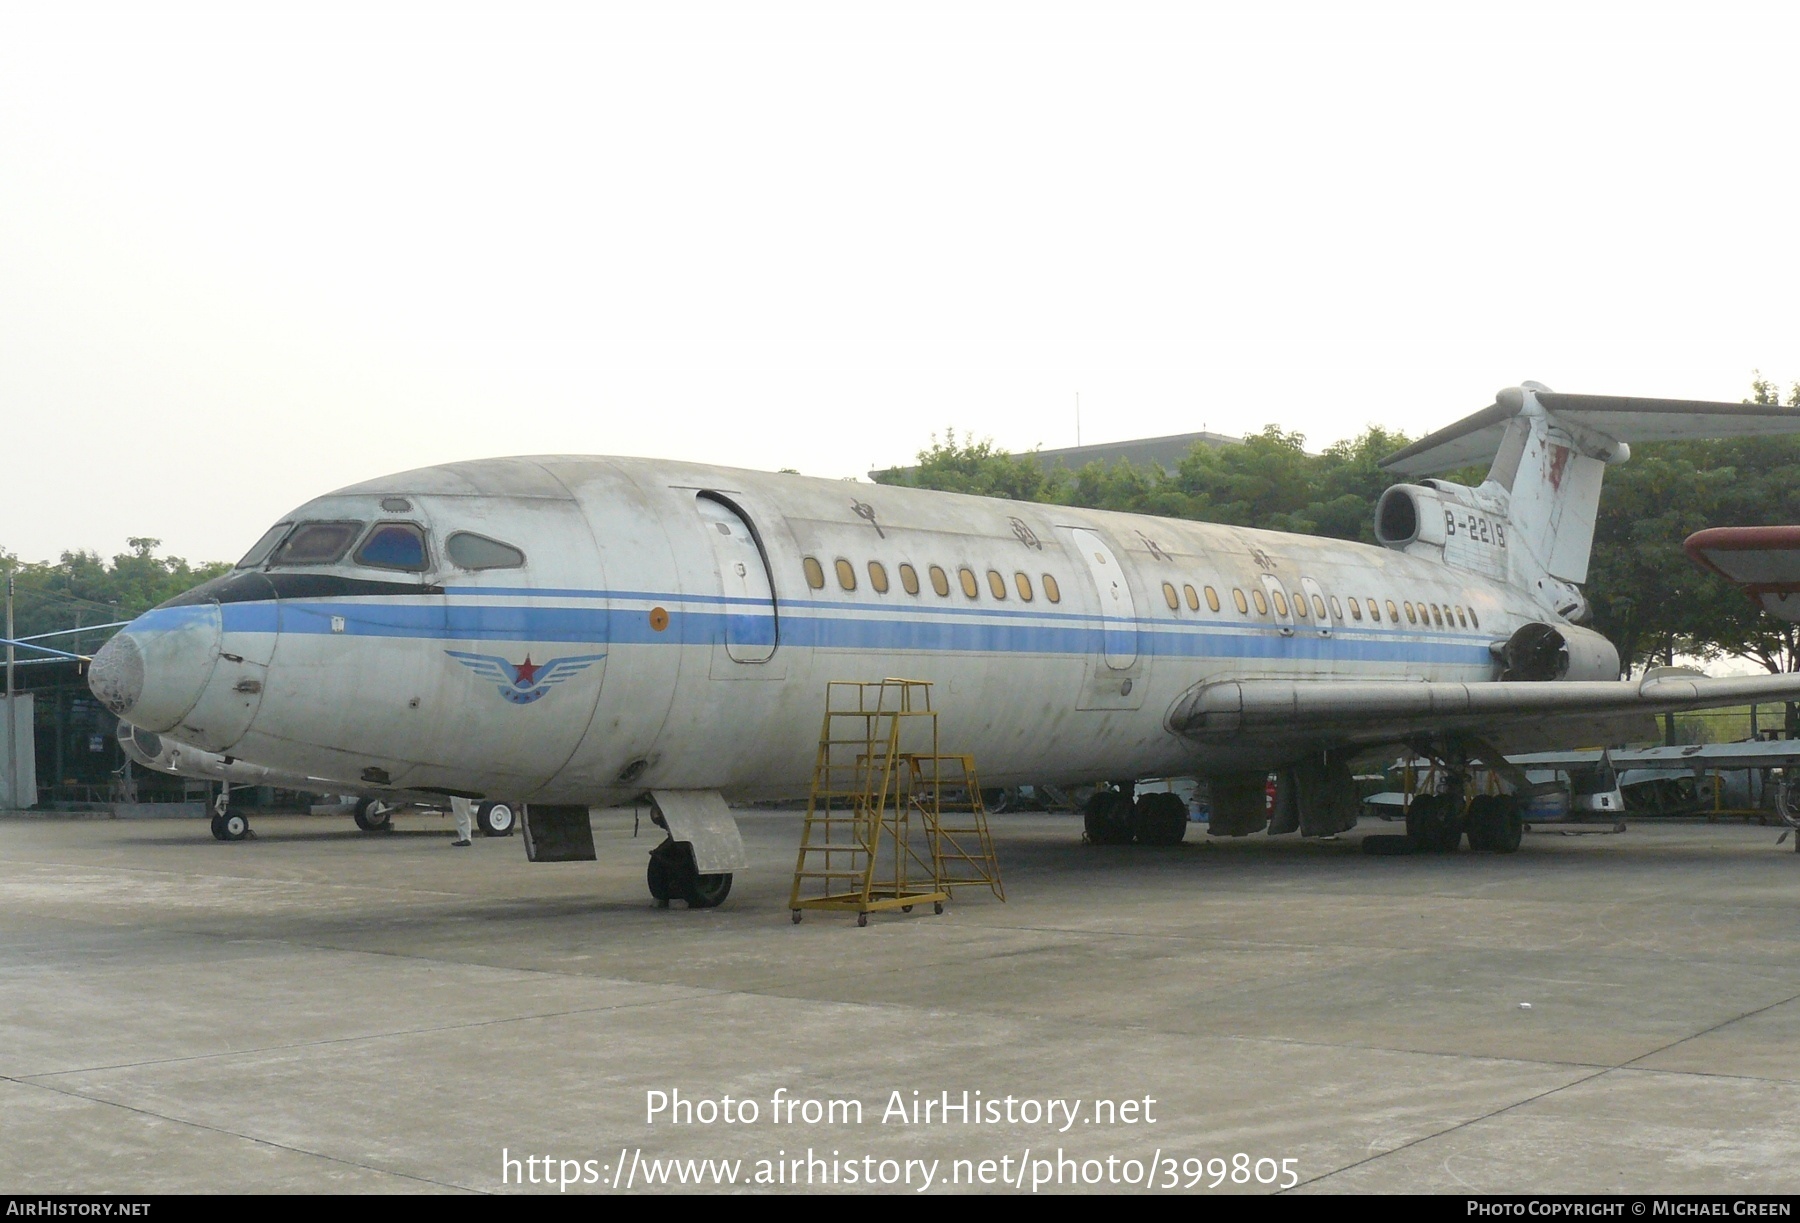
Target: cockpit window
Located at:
point(472, 551)
point(394, 545)
point(316, 543)
point(260, 552)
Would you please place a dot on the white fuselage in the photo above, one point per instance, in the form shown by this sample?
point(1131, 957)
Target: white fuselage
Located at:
point(640, 645)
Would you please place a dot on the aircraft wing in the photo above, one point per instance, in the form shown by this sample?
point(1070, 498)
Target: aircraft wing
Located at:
point(1516, 716)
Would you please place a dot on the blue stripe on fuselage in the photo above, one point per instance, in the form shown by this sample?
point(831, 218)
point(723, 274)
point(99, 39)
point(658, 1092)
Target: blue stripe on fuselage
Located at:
point(873, 629)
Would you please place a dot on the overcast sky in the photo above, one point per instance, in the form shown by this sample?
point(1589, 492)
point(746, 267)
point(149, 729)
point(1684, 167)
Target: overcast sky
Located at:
point(251, 253)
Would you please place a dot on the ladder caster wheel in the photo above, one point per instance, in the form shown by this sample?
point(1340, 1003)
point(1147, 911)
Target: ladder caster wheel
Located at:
point(796, 917)
point(937, 906)
point(906, 908)
point(862, 919)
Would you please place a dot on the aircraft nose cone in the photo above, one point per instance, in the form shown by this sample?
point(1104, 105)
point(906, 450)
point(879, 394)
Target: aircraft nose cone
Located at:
point(153, 672)
point(116, 675)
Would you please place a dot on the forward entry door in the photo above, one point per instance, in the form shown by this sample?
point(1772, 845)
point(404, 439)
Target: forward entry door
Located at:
point(750, 630)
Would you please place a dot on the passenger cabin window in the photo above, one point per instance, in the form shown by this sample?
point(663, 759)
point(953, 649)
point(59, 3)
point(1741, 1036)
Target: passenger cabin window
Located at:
point(909, 579)
point(1462, 619)
point(468, 550)
point(815, 572)
point(1437, 615)
point(1474, 619)
point(878, 577)
point(316, 543)
point(260, 552)
point(996, 584)
point(1412, 617)
point(940, 582)
point(1170, 597)
point(1052, 591)
point(1192, 597)
point(970, 586)
point(1237, 596)
point(1356, 609)
point(1262, 604)
point(1281, 608)
point(1319, 607)
point(1024, 585)
point(1374, 610)
point(1337, 610)
point(846, 574)
point(1393, 612)
point(394, 545)
point(1212, 598)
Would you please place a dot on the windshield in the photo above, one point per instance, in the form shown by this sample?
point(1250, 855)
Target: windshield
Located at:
point(316, 543)
point(259, 552)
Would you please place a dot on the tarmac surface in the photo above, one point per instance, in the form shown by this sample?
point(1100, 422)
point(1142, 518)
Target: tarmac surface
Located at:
point(319, 1009)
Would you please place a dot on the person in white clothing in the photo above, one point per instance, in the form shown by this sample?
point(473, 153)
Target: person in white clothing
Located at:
point(461, 808)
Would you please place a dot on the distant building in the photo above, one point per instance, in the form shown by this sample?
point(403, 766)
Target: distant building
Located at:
point(1164, 452)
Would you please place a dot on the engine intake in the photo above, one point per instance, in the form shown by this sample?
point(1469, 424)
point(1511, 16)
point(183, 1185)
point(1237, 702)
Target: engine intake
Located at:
point(1544, 653)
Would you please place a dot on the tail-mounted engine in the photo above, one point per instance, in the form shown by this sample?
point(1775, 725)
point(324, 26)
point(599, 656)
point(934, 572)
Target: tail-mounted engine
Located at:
point(1461, 526)
point(1540, 653)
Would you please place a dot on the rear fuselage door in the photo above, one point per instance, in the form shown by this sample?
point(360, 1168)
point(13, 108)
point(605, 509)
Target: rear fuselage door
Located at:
point(749, 631)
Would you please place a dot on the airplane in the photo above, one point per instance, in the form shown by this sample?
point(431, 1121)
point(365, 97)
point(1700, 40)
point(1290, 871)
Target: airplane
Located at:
point(575, 632)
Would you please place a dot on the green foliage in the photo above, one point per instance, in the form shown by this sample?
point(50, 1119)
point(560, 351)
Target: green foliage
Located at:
point(81, 588)
point(1269, 481)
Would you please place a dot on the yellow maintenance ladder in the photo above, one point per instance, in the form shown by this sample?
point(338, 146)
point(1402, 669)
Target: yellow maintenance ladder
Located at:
point(875, 832)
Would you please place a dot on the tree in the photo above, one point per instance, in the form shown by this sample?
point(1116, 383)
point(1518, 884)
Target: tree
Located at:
point(81, 588)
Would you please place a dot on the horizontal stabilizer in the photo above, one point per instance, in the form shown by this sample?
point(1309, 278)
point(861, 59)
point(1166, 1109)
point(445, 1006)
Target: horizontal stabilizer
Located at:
point(1477, 438)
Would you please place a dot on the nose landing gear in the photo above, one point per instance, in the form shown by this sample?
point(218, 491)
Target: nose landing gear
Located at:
point(228, 825)
point(672, 875)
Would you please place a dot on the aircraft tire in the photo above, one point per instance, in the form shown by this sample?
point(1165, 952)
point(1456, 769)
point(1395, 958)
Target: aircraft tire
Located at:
point(1159, 819)
point(1389, 845)
point(656, 876)
point(496, 819)
point(218, 828)
point(1106, 819)
point(373, 815)
point(1431, 825)
point(1486, 814)
point(235, 827)
point(1509, 827)
point(672, 875)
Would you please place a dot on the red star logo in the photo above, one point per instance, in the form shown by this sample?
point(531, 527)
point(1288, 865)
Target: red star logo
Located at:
point(526, 673)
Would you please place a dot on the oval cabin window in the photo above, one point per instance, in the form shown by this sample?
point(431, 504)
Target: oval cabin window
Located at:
point(909, 579)
point(878, 577)
point(1171, 598)
point(1024, 585)
point(996, 585)
point(815, 572)
point(846, 574)
point(970, 586)
point(940, 582)
point(1052, 591)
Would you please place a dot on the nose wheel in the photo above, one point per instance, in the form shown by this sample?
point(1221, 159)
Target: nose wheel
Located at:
point(373, 815)
point(228, 825)
point(672, 875)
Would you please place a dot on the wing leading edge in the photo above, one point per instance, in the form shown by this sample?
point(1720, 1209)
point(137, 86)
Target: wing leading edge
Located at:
point(1516, 716)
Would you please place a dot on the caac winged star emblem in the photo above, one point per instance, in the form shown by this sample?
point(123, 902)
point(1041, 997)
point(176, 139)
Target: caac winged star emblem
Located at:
point(524, 682)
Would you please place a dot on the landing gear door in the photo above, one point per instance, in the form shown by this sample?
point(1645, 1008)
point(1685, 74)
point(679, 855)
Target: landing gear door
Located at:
point(748, 630)
point(1115, 674)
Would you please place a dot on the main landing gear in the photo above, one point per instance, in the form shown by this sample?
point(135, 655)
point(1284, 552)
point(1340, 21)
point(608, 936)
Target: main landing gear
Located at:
point(496, 819)
point(1114, 817)
point(672, 875)
point(1437, 823)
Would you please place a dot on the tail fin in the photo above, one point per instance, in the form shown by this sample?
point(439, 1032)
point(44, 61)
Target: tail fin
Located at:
point(1549, 451)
